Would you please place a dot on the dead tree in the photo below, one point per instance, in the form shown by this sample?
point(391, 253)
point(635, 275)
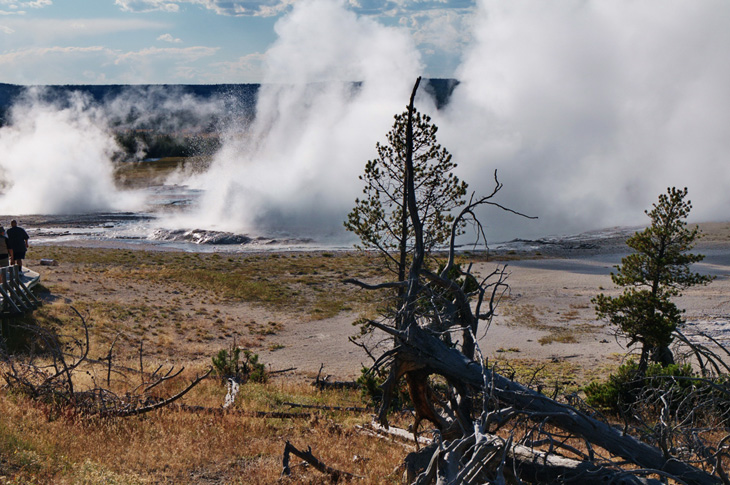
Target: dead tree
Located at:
point(491, 429)
point(50, 376)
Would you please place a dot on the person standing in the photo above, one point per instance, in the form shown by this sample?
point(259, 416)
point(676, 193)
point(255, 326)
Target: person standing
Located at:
point(18, 244)
point(5, 252)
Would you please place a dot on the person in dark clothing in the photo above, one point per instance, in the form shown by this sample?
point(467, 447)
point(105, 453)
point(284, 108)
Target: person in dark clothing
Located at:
point(5, 252)
point(18, 243)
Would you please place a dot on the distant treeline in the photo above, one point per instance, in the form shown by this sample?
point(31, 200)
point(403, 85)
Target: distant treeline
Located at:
point(167, 120)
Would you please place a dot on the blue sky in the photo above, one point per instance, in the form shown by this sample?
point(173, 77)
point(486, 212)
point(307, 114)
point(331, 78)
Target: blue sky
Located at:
point(191, 41)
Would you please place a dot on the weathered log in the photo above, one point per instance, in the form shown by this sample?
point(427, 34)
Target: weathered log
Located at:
point(398, 433)
point(323, 384)
point(334, 474)
point(532, 466)
point(325, 407)
point(423, 349)
point(219, 411)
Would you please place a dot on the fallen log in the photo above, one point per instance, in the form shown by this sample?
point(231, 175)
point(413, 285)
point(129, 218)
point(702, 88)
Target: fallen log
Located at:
point(323, 384)
point(421, 349)
point(334, 474)
point(239, 412)
point(532, 466)
point(325, 407)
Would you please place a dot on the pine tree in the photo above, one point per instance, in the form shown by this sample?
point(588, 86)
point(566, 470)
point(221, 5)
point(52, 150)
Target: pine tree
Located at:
point(380, 219)
point(657, 271)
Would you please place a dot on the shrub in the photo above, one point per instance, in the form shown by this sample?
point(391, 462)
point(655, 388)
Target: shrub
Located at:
point(626, 388)
point(228, 365)
point(372, 393)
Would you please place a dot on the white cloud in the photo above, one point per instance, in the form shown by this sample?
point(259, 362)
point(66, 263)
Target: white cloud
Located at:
point(32, 65)
point(261, 8)
point(169, 38)
point(39, 52)
point(186, 53)
point(52, 31)
point(100, 64)
point(17, 4)
point(94, 77)
point(147, 5)
point(247, 68)
point(267, 8)
point(6, 30)
point(448, 30)
point(253, 8)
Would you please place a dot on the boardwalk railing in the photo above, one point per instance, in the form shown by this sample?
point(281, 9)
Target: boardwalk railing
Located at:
point(16, 297)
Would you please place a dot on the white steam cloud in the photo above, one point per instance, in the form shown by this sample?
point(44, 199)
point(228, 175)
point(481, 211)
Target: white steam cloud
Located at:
point(296, 168)
point(57, 159)
point(590, 110)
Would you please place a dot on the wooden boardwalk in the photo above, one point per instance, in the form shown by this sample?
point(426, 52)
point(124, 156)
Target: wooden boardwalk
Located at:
point(15, 293)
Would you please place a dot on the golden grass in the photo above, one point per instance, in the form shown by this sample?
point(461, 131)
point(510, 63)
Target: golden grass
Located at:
point(179, 446)
point(310, 283)
point(187, 306)
point(160, 300)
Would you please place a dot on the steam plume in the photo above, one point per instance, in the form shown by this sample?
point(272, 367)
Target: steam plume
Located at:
point(57, 159)
point(296, 168)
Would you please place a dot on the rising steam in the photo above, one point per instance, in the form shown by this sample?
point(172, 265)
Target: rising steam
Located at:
point(56, 159)
point(295, 169)
point(588, 110)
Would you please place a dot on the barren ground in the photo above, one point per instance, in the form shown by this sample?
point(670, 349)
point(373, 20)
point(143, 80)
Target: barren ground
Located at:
point(547, 315)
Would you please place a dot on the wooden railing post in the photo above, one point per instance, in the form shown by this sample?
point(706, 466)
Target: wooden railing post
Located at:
point(16, 296)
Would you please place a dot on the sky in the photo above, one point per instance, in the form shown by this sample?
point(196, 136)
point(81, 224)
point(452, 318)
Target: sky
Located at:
point(587, 109)
point(190, 41)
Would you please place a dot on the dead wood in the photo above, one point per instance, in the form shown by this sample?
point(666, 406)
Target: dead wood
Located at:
point(488, 452)
point(397, 433)
point(165, 402)
point(334, 474)
point(425, 350)
point(54, 382)
point(325, 407)
point(323, 383)
point(240, 412)
point(281, 371)
point(473, 401)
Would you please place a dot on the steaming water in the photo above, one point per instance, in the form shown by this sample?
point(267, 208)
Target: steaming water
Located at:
point(147, 229)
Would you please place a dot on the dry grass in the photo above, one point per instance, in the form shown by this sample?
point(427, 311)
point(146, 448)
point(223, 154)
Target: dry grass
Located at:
point(161, 301)
point(184, 306)
point(310, 283)
point(171, 446)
